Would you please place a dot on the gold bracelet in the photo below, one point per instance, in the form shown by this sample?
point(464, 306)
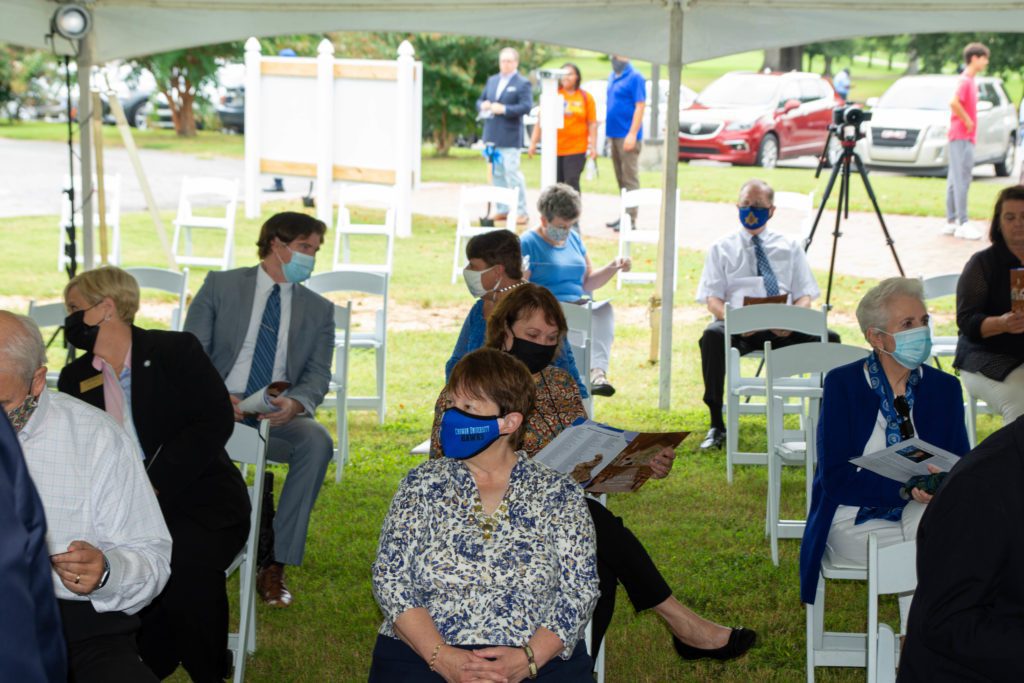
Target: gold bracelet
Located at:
point(433, 656)
point(530, 661)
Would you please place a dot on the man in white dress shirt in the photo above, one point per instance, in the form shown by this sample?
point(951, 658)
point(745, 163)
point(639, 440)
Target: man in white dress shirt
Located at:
point(754, 262)
point(109, 547)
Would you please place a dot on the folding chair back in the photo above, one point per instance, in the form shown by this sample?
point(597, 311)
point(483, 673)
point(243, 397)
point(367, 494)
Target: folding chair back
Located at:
point(751, 319)
point(112, 200)
point(650, 201)
point(170, 281)
point(214, 195)
point(833, 648)
point(374, 196)
point(579, 318)
point(48, 315)
point(801, 203)
point(339, 384)
point(892, 569)
point(473, 203)
point(374, 284)
point(795, 372)
point(248, 446)
point(937, 287)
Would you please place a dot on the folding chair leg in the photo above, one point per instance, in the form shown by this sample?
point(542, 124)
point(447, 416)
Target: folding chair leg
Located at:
point(381, 361)
point(972, 420)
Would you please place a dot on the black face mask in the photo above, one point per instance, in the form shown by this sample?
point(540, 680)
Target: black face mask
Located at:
point(535, 356)
point(78, 333)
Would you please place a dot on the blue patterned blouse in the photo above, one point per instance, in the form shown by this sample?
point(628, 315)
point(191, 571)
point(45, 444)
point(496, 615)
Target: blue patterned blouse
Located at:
point(471, 338)
point(537, 568)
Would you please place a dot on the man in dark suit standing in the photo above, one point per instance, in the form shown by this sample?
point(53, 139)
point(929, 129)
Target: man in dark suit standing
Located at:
point(258, 326)
point(506, 98)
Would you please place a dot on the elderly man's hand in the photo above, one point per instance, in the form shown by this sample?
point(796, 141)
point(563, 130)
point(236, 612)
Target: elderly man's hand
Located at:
point(80, 568)
point(661, 463)
point(287, 408)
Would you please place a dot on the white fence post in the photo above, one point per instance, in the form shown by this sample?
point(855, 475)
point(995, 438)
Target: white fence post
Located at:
point(324, 132)
point(406, 141)
point(252, 128)
point(552, 117)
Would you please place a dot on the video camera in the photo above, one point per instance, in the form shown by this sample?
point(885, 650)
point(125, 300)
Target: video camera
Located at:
point(846, 122)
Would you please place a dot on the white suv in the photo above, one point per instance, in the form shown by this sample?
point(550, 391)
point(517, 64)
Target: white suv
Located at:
point(910, 122)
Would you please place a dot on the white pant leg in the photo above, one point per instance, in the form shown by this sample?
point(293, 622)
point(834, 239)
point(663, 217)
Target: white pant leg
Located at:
point(604, 335)
point(1007, 396)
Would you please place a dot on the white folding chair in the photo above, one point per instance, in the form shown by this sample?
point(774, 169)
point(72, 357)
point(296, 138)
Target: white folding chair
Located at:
point(937, 287)
point(248, 446)
point(833, 648)
point(339, 384)
point(112, 199)
point(208, 195)
point(797, 370)
point(892, 569)
point(580, 338)
point(629, 234)
point(48, 315)
point(168, 281)
point(797, 201)
point(374, 284)
point(375, 196)
point(473, 203)
point(751, 319)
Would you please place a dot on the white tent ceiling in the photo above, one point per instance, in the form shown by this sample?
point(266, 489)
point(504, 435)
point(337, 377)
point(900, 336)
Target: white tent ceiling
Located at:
point(637, 28)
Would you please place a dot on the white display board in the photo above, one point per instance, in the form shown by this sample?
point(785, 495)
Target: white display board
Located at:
point(334, 120)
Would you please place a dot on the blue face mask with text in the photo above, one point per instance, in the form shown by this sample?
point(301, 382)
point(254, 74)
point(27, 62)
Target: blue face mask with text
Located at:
point(913, 347)
point(753, 217)
point(464, 435)
point(299, 268)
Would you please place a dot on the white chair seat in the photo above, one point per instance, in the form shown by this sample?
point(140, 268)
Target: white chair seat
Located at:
point(371, 196)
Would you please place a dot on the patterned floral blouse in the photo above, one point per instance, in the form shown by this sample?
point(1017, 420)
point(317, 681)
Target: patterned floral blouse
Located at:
point(535, 568)
point(557, 405)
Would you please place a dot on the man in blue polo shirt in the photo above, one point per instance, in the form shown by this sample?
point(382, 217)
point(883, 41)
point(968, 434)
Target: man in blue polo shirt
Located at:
point(627, 96)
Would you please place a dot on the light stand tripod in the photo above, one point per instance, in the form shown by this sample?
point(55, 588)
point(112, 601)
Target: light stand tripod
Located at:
point(846, 128)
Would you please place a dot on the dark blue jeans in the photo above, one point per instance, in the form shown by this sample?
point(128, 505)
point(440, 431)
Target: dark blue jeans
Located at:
point(396, 662)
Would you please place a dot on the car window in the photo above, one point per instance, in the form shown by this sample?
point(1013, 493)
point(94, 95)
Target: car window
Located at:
point(790, 91)
point(918, 93)
point(809, 90)
point(986, 93)
point(740, 90)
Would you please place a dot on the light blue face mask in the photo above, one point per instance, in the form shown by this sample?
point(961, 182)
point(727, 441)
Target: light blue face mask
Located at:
point(299, 268)
point(913, 347)
point(558, 234)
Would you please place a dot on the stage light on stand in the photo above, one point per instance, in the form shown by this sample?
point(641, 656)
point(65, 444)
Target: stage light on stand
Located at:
point(71, 21)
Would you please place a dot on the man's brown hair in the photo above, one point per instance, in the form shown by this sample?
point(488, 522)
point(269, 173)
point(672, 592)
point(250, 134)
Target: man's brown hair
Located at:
point(498, 247)
point(492, 375)
point(520, 303)
point(974, 50)
point(288, 226)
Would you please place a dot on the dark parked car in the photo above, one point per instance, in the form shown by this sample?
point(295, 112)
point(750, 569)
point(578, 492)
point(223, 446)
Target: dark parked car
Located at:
point(758, 118)
point(231, 109)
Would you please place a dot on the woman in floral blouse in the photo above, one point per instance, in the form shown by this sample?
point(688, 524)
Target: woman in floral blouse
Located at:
point(486, 567)
point(528, 323)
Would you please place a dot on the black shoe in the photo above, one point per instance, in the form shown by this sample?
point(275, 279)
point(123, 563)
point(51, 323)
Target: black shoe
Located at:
point(740, 640)
point(714, 439)
point(614, 225)
point(599, 385)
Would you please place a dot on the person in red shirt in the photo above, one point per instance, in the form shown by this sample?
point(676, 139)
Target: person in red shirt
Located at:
point(577, 138)
point(963, 134)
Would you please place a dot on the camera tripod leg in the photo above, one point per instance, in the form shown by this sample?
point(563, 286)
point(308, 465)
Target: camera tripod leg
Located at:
point(824, 200)
point(841, 201)
point(878, 212)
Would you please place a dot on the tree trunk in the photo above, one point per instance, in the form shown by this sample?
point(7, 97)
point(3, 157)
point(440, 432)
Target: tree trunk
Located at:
point(442, 141)
point(828, 66)
point(912, 64)
point(186, 125)
point(784, 59)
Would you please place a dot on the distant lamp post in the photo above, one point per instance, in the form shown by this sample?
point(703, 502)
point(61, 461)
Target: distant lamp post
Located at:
point(71, 21)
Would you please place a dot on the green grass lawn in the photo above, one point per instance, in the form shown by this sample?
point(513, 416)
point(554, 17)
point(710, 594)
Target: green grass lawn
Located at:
point(705, 535)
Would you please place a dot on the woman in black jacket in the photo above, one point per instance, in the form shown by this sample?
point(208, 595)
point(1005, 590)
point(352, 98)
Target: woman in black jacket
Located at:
point(161, 387)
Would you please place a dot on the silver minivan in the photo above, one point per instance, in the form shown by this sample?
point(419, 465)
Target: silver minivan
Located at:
point(910, 122)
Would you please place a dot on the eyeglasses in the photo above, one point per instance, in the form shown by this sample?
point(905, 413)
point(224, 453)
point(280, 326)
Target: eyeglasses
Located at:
point(903, 409)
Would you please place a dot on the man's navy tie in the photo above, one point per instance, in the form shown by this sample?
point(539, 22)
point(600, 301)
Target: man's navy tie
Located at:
point(261, 373)
point(764, 268)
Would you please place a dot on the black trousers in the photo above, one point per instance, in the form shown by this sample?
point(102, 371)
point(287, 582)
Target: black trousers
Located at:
point(621, 558)
point(187, 623)
point(570, 168)
point(712, 359)
point(101, 645)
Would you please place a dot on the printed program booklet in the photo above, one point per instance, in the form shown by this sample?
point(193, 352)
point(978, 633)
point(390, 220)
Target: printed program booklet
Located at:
point(893, 462)
point(1017, 290)
point(258, 402)
point(604, 459)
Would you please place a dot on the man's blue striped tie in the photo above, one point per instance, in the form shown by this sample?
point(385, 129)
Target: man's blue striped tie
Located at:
point(261, 372)
point(764, 268)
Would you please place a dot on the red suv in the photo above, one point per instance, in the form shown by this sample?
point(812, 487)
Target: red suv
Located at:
point(758, 118)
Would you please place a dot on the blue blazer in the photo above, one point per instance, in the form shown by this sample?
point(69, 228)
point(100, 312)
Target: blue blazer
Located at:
point(506, 130)
point(849, 409)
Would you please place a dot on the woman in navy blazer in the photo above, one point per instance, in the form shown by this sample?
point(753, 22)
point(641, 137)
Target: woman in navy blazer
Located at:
point(866, 406)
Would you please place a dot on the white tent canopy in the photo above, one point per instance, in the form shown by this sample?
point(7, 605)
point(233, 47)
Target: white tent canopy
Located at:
point(671, 32)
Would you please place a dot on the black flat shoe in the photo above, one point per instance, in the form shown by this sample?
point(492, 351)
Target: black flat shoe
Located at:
point(740, 640)
point(714, 439)
point(614, 225)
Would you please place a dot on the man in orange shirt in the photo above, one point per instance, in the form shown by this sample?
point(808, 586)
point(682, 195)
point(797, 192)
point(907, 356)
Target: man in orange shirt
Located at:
point(578, 136)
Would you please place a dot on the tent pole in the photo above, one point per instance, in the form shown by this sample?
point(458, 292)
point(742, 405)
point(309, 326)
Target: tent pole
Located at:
point(670, 182)
point(84, 60)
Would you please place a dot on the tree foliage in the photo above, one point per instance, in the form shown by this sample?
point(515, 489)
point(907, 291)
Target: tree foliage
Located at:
point(28, 78)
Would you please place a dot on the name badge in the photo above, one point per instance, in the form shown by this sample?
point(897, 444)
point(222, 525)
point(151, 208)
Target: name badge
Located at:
point(510, 88)
point(91, 383)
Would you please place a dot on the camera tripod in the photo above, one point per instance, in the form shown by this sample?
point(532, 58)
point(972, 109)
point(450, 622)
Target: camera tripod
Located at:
point(841, 169)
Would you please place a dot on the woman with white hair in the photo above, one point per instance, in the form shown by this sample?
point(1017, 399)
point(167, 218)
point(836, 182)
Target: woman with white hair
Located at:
point(867, 406)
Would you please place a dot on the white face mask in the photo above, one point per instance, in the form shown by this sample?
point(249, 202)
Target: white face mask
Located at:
point(475, 281)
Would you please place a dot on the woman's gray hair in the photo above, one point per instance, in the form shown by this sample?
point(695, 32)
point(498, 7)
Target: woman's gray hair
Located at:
point(873, 309)
point(22, 348)
point(559, 201)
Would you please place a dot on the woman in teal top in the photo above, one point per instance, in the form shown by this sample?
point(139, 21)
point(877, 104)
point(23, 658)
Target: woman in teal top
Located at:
point(558, 261)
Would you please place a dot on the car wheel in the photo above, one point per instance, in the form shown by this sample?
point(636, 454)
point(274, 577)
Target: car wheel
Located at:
point(1005, 167)
point(768, 152)
point(138, 117)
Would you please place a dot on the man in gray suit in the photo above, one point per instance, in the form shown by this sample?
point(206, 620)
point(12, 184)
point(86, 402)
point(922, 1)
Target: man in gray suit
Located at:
point(258, 326)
